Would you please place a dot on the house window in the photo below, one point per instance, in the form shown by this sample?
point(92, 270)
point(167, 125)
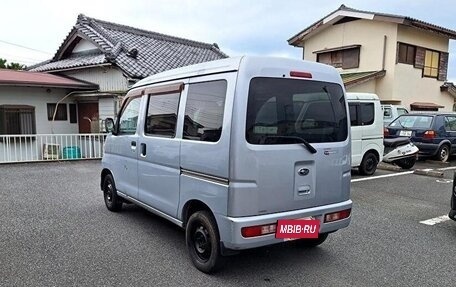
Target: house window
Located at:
point(60, 115)
point(345, 59)
point(406, 54)
point(73, 114)
point(431, 64)
point(17, 120)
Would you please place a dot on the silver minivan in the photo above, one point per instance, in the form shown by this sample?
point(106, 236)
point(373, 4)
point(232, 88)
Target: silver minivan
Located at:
point(240, 152)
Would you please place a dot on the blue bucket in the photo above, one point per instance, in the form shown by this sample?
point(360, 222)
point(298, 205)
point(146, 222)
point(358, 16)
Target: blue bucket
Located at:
point(71, 152)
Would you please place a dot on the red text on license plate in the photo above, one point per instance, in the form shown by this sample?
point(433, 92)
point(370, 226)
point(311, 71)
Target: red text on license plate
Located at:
point(297, 228)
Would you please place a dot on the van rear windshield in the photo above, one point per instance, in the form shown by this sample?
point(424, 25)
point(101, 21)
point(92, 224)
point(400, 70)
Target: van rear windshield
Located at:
point(280, 111)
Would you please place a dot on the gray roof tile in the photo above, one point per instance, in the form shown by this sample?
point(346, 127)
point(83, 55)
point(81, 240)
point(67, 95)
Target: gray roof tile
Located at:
point(156, 52)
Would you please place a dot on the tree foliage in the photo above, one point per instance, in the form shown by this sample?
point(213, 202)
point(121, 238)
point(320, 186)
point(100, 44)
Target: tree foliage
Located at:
point(11, 66)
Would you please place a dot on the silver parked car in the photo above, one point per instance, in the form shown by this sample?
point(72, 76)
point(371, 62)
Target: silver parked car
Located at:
point(241, 153)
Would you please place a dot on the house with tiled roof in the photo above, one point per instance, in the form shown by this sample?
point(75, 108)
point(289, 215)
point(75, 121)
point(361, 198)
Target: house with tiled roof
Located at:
point(114, 57)
point(401, 59)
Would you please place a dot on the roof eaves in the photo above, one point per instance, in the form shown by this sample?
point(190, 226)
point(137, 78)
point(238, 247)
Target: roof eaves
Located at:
point(449, 87)
point(365, 78)
point(294, 41)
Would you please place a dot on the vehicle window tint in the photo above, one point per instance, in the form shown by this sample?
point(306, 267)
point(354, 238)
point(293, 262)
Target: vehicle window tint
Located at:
point(450, 123)
point(204, 111)
point(129, 118)
point(162, 115)
point(387, 113)
point(280, 111)
point(353, 108)
point(412, 122)
point(367, 113)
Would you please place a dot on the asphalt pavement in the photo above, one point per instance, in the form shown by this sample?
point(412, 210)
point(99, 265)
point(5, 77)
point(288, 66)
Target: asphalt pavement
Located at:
point(56, 231)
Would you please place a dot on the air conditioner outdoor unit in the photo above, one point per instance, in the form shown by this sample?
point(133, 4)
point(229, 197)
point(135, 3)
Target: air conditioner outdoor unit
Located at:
point(51, 151)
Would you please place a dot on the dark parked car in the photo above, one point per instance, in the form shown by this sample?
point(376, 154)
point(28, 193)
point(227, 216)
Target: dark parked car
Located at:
point(433, 133)
point(452, 213)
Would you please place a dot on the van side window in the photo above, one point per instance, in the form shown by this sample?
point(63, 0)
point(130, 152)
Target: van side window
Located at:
point(129, 118)
point(204, 111)
point(387, 113)
point(353, 114)
point(367, 113)
point(162, 115)
point(361, 114)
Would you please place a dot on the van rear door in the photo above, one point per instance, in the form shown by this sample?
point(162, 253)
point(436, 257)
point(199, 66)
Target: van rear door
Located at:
point(297, 149)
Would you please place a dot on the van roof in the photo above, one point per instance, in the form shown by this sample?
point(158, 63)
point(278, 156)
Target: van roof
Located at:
point(253, 63)
point(362, 96)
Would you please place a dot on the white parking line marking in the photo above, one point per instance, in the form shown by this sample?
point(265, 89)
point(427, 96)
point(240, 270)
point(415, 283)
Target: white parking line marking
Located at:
point(447, 168)
point(436, 220)
point(381, 176)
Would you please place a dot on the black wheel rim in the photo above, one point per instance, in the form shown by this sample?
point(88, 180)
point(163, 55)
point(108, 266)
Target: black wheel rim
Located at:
point(370, 164)
point(201, 243)
point(108, 192)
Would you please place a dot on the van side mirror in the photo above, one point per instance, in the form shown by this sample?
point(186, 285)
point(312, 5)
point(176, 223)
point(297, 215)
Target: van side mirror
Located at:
point(110, 127)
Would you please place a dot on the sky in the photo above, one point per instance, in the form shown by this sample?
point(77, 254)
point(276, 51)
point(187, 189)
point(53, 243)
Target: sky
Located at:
point(32, 31)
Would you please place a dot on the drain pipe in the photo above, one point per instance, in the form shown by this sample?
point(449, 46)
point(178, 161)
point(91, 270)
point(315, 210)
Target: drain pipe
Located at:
point(61, 100)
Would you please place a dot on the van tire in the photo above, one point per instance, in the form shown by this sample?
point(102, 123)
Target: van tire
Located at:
point(203, 242)
point(443, 153)
point(369, 164)
point(310, 243)
point(112, 200)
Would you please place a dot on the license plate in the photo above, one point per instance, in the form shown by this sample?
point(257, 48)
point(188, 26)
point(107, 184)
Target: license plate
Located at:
point(289, 229)
point(405, 133)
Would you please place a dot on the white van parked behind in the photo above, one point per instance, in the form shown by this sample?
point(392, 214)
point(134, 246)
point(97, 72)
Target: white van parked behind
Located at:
point(366, 119)
point(240, 152)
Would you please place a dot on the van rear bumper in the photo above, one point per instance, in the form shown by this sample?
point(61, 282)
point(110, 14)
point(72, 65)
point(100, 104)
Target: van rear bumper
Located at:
point(230, 227)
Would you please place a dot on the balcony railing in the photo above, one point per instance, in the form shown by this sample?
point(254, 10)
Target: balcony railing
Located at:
point(50, 147)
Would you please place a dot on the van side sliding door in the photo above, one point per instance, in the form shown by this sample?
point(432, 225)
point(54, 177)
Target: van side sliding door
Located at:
point(159, 148)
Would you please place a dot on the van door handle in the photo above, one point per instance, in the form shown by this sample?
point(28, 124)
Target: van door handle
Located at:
point(133, 146)
point(143, 150)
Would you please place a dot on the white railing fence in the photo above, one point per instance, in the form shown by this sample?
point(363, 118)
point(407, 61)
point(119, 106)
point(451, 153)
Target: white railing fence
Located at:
point(50, 147)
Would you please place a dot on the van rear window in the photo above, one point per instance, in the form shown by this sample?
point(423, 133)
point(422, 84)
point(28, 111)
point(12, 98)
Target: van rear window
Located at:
point(280, 111)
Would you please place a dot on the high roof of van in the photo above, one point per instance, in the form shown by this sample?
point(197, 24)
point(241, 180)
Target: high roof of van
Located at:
point(250, 64)
point(362, 96)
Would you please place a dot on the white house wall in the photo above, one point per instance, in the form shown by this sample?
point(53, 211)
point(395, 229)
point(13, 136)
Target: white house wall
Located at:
point(84, 45)
point(367, 87)
point(110, 79)
point(39, 98)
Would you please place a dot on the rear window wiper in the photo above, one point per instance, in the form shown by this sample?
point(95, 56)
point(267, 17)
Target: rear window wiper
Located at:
point(299, 139)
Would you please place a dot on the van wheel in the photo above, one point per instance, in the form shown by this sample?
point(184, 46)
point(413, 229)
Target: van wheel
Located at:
point(444, 153)
point(310, 243)
point(369, 164)
point(203, 242)
point(112, 200)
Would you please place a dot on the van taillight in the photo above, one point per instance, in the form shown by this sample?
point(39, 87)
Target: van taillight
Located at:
point(385, 132)
point(429, 134)
point(258, 230)
point(330, 217)
point(300, 74)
